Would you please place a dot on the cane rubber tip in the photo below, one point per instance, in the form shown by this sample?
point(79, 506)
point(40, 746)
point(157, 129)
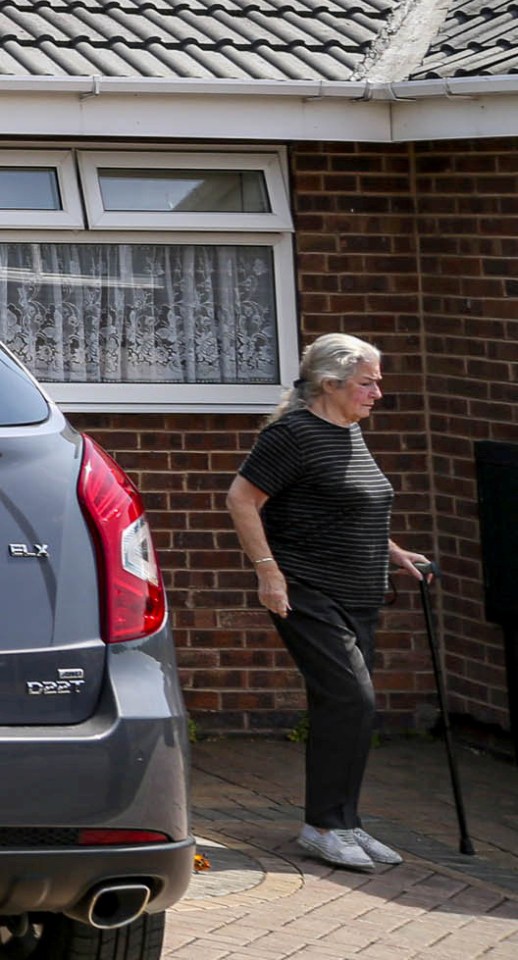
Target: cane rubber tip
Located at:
point(467, 847)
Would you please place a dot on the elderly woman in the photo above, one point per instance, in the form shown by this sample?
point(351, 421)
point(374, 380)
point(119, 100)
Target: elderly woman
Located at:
point(311, 509)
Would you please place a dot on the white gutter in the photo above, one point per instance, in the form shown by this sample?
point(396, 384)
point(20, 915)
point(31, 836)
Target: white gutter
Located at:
point(259, 110)
point(451, 87)
point(345, 89)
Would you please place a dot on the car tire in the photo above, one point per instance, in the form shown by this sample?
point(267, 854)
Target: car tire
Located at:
point(56, 937)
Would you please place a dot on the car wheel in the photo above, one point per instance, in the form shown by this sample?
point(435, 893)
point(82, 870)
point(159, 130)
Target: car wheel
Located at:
point(56, 937)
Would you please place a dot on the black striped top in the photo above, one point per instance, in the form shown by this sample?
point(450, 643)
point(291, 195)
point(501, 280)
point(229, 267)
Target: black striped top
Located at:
point(327, 518)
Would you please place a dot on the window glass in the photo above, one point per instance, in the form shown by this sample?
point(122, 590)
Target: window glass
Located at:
point(30, 188)
point(20, 400)
point(146, 313)
point(192, 191)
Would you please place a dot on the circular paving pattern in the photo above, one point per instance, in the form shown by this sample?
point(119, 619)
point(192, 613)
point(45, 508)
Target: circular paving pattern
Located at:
point(230, 871)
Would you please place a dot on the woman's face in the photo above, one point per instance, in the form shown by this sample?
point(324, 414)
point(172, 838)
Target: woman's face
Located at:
point(355, 398)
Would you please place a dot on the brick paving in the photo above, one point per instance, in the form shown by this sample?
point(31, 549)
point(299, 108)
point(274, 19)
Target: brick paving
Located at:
point(264, 899)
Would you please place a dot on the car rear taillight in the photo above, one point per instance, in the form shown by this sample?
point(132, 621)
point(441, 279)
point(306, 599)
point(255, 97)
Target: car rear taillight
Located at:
point(132, 593)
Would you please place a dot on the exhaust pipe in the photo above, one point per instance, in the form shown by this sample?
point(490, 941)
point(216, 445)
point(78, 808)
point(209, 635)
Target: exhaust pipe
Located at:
point(113, 905)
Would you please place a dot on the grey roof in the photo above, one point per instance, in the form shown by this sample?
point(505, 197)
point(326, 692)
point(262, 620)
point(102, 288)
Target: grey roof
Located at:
point(248, 39)
point(477, 38)
point(231, 39)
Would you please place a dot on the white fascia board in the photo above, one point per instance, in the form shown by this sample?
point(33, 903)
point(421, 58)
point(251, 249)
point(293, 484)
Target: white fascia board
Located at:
point(189, 117)
point(455, 118)
point(258, 110)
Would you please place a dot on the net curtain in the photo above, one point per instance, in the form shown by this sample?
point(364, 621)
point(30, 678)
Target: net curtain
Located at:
point(140, 313)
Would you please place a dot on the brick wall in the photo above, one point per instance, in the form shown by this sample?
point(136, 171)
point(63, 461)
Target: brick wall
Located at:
point(357, 257)
point(415, 248)
point(468, 237)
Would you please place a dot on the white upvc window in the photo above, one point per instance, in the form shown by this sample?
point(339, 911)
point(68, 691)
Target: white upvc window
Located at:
point(184, 191)
point(167, 317)
point(39, 188)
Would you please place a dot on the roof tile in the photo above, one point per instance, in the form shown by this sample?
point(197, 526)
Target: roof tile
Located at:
point(240, 39)
point(477, 37)
point(267, 39)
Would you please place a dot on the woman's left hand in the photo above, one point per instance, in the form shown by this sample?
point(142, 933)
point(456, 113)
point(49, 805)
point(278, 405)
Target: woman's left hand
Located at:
point(406, 560)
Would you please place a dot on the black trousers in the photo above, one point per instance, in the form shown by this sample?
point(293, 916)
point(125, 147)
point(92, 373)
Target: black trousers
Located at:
point(334, 650)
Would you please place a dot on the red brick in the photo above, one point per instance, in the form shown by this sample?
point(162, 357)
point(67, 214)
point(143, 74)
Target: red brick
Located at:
point(247, 701)
point(247, 658)
point(202, 700)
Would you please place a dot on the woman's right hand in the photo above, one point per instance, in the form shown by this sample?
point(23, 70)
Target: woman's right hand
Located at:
point(273, 590)
point(245, 502)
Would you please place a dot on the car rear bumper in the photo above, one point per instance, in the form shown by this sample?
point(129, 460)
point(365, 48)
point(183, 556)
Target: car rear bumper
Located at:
point(56, 880)
point(126, 767)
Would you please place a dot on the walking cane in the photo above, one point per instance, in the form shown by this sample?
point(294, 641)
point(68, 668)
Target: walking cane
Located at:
point(465, 846)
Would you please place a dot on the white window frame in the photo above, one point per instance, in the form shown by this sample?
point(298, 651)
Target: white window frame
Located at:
point(269, 162)
point(71, 216)
point(187, 397)
point(77, 172)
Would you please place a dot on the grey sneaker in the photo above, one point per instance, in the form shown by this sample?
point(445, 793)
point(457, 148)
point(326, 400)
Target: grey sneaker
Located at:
point(334, 848)
point(376, 850)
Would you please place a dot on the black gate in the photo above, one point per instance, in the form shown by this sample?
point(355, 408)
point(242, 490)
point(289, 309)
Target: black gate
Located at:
point(497, 479)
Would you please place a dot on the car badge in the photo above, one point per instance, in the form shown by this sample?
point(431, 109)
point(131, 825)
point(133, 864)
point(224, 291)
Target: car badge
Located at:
point(40, 551)
point(70, 680)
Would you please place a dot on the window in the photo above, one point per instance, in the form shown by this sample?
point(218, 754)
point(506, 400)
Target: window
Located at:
point(200, 191)
point(141, 319)
point(146, 313)
point(39, 189)
point(29, 189)
point(194, 191)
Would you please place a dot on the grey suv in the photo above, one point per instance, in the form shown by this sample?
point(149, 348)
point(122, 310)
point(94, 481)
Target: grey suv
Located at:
point(94, 831)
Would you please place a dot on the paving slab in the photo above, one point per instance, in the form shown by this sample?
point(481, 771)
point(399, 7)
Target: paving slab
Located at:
point(264, 899)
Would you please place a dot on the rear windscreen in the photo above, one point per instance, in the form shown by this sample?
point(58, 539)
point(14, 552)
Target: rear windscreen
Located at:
point(20, 400)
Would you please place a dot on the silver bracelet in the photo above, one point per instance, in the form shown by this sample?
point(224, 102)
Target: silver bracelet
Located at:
point(264, 560)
